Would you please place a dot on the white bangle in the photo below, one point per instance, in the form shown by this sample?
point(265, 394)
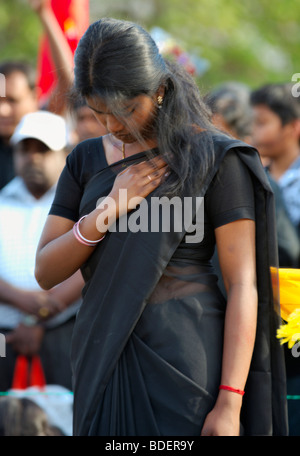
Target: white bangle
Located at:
point(81, 238)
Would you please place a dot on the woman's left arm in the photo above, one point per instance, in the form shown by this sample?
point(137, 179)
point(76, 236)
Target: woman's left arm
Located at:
point(236, 250)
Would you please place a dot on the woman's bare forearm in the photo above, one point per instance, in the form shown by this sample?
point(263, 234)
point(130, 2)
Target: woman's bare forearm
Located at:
point(239, 337)
point(236, 249)
point(59, 258)
point(239, 334)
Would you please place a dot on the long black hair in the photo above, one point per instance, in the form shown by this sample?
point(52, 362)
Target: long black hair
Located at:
point(118, 60)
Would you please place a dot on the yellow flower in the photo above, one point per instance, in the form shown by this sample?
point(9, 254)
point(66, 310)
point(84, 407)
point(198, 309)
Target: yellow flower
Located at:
point(290, 332)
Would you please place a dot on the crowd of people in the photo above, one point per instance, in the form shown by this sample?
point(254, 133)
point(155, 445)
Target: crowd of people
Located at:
point(134, 368)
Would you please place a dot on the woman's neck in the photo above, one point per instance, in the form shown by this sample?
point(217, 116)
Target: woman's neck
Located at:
point(132, 148)
point(116, 150)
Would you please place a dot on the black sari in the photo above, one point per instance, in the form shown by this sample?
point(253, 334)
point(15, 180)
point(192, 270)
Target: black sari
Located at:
point(147, 343)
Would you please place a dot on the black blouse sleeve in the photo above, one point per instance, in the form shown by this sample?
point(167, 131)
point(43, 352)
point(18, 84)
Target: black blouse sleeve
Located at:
point(230, 196)
point(82, 163)
point(68, 192)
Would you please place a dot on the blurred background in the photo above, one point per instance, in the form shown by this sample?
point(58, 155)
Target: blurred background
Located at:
point(251, 41)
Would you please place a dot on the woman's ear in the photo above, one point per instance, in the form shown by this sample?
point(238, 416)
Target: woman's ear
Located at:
point(160, 96)
point(161, 91)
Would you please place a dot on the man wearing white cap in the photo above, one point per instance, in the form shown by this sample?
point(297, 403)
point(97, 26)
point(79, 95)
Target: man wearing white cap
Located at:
point(39, 142)
point(34, 321)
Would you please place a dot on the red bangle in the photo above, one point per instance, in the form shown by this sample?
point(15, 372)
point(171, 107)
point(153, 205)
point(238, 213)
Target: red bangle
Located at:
point(233, 390)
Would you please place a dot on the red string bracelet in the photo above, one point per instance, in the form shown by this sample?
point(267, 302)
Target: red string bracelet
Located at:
point(233, 390)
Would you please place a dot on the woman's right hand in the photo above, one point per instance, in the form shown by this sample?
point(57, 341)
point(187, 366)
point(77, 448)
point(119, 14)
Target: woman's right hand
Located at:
point(58, 245)
point(138, 181)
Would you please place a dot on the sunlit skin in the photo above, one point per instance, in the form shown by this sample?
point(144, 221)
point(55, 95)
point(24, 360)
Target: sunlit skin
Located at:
point(136, 115)
point(19, 100)
point(137, 112)
point(275, 142)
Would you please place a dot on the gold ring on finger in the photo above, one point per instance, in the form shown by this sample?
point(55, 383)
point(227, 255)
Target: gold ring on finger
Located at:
point(44, 312)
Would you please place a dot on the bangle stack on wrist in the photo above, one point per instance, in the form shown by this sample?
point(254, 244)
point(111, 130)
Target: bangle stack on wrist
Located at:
point(81, 238)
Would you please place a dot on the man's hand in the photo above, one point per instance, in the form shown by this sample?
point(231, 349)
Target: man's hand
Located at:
point(41, 304)
point(26, 340)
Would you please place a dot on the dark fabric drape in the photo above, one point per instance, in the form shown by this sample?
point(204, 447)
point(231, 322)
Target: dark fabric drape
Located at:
point(144, 368)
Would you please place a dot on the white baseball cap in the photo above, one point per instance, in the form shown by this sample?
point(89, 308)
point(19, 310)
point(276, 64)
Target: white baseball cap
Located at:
point(45, 126)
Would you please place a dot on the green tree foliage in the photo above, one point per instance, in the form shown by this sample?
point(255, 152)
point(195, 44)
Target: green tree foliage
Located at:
point(252, 41)
point(19, 31)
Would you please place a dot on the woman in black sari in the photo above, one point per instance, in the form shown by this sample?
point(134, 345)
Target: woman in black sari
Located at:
point(156, 349)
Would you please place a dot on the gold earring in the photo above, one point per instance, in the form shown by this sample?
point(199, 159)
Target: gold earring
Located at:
point(160, 101)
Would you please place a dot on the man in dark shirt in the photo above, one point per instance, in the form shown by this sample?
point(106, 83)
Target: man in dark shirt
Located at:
point(20, 98)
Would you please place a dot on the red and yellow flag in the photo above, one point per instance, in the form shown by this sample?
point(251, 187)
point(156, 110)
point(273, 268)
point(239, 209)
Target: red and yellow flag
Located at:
point(73, 18)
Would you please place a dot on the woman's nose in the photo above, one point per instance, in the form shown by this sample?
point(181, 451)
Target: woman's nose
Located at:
point(113, 125)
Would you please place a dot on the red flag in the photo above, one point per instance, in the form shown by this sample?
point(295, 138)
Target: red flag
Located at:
point(73, 18)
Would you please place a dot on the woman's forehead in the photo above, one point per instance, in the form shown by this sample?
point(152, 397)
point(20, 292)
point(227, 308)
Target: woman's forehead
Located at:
point(111, 105)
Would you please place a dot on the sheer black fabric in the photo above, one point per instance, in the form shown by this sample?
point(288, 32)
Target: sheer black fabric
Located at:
point(147, 344)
